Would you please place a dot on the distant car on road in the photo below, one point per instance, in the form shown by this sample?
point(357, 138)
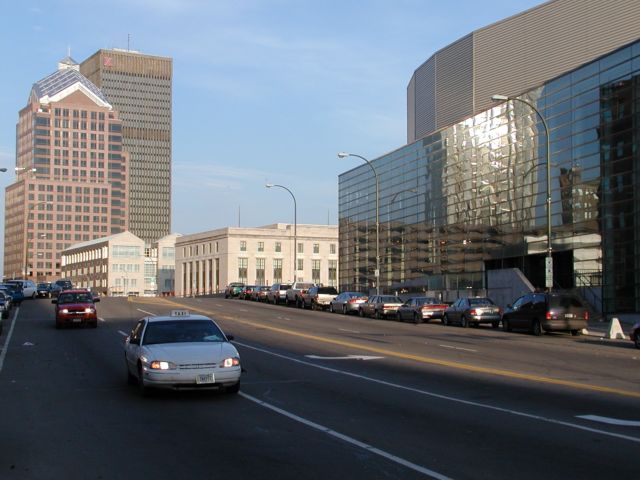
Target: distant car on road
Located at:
point(420, 309)
point(14, 292)
point(541, 312)
point(295, 293)
point(259, 294)
point(27, 286)
point(473, 311)
point(347, 302)
point(318, 298)
point(278, 293)
point(380, 306)
point(76, 307)
point(60, 285)
point(181, 351)
point(43, 290)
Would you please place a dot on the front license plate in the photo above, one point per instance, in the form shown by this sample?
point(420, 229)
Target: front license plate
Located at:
point(205, 378)
point(76, 320)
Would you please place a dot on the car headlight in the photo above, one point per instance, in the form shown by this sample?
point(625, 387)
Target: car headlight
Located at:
point(89, 310)
point(64, 310)
point(162, 365)
point(230, 362)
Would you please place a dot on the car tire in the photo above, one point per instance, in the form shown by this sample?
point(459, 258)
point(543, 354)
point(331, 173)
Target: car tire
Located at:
point(417, 318)
point(33, 296)
point(495, 324)
point(131, 379)
point(233, 388)
point(378, 315)
point(463, 322)
point(575, 333)
point(94, 324)
point(361, 312)
point(505, 325)
point(344, 309)
point(331, 308)
point(142, 388)
point(637, 340)
point(536, 328)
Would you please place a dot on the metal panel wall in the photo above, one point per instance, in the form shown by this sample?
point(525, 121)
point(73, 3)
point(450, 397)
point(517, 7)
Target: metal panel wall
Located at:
point(524, 51)
point(454, 82)
point(411, 110)
point(425, 98)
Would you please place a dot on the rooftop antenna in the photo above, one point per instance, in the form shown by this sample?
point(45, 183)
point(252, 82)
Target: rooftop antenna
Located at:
point(69, 51)
point(128, 42)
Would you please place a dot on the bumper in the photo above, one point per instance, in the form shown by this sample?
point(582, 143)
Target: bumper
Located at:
point(433, 314)
point(68, 320)
point(561, 325)
point(485, 318)
point(183, 380)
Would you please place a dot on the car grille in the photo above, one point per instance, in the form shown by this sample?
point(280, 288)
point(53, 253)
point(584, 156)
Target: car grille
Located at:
point(195, 366)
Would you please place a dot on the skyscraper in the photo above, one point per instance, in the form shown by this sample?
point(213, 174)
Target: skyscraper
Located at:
point(139, 88)
point(71, 183)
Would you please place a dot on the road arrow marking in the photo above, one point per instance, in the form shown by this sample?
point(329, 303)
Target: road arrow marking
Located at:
point(28, 344)
point(348, 357)
point(610, 421)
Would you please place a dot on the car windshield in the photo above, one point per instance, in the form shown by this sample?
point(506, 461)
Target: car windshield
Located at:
point(285, 287)
point(426, 301)
point(328, 290)
point(182, 331)
point(480, 302)
point(75, 298)
point(356, 295)
point(390, 299)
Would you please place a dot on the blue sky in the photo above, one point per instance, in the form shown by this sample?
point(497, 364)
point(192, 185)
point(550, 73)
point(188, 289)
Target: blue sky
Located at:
point(263, 92)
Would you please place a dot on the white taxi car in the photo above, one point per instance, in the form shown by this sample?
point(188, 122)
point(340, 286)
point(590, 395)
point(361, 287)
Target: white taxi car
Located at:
point(181, 351)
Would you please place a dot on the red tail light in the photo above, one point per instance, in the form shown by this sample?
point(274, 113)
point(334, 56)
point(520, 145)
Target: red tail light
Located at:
point(473, 311)
point(586, 315)
point(548, 315)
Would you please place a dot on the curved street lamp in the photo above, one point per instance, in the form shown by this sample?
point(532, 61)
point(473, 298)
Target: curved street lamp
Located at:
point(295, 228)
point(549, 260)
point(377, 272)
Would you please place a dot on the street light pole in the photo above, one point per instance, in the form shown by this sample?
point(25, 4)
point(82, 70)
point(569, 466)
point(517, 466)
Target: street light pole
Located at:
point(549, 260)
point(375, 174)
point(295, 229)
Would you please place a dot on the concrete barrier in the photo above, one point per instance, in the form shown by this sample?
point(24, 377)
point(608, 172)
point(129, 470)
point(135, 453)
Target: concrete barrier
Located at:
point(615, 330)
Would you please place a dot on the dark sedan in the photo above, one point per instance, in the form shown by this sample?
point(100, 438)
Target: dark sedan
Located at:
point(420, 309)
point(473, 311)
point(635, 334)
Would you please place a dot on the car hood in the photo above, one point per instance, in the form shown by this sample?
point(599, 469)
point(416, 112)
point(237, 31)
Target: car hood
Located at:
point(192, 352)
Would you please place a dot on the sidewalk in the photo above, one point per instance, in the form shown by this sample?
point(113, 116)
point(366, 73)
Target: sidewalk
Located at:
point(600, 328)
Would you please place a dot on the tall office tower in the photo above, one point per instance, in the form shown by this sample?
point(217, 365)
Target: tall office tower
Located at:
point(139, 88)
point(71, 183)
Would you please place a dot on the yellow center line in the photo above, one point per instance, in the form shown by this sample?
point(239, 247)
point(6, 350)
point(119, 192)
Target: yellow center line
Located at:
point(418, 358)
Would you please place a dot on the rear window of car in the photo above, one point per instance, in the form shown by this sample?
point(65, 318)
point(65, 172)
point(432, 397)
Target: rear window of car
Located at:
point(475, 302)
point(390, 299)
point(285, 287)
point(357, 295)
point(565, 302)
point(304, 285)
point(328, 290)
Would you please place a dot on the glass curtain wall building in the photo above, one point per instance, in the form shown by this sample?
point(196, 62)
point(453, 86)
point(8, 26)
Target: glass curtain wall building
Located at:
point(471, 197)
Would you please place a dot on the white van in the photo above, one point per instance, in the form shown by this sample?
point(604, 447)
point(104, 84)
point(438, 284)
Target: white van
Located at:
point(28, 287)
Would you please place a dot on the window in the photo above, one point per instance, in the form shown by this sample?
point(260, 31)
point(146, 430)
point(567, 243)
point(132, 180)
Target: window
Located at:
point(243, 245)
point(332, 248)
point(316, 248)
point(301, 248)
point(277, 270)
point(278, 247)
point(242, 269)
point(315, 271)
point(333, 273)
point(300, 265)
point(261, 246)
point(260, 271)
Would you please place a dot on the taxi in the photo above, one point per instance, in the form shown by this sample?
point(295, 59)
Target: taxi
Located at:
point(181, 351)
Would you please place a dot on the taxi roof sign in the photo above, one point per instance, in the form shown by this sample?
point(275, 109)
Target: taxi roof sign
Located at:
point(179, 313)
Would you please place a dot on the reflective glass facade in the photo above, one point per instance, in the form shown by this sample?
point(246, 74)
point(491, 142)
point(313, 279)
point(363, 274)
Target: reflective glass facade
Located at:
point(472, 197)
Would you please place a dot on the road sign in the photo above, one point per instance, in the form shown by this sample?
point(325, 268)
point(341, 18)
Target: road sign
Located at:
point(548, 280)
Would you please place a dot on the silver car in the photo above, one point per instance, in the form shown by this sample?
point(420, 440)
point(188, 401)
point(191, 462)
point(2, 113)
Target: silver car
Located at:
point(347, 302)
point(181, 351)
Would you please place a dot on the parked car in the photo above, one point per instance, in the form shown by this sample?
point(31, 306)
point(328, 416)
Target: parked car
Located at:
point(5, 304)
point(540, 312)
point(347, 302)
point(294, 294)
point(472, 311)
point(634, 334)
point(421, 309)
point(380, 306)
point(43, 290)
point(27, 286)
point(259, 294)
point(60, 285)
point(233, 289)
point(76, 307)
point(14, 292)
point(181, 351)
point(278, 293)
point(318, 298)
point(245, 294)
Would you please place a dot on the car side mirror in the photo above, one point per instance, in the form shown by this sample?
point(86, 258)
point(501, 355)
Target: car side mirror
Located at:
point(134, 341)
point(509, 306)
point(230, 337)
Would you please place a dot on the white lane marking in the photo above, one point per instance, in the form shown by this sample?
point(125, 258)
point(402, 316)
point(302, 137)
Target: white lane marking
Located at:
point(347, 330)
point(347, 439)
point(458, 348)
point(28, 344)
point(144, 311)
point(124, 334)
point(348, 357)
point(101, 319)
point(446, 397)
point(5, 347)
point(610, 421)
point(242, 310)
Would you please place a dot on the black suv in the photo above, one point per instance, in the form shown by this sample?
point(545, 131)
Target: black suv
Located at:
point(60, 285)
point(540, 312)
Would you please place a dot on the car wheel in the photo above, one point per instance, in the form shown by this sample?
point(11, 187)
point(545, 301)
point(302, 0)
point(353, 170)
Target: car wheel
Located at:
point(233, 388)
point(131, 379)
point(637, 340)
point(417, 318)
point(495, 324)
point(445, 320)
point(463, 322)
point(536, 328)
point(361, 312)
point(377, 315)
point(94, 324)
point(142, 388)
point(575, 333)
point(505, 325)
point(33, 296)
point(331, 308)
point(344, 309)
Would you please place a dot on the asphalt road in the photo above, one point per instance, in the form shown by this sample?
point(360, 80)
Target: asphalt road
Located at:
point(324, 396)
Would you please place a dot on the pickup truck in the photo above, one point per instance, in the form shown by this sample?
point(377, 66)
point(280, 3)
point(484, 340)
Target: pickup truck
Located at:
point(318, 298)
point(294, 294)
